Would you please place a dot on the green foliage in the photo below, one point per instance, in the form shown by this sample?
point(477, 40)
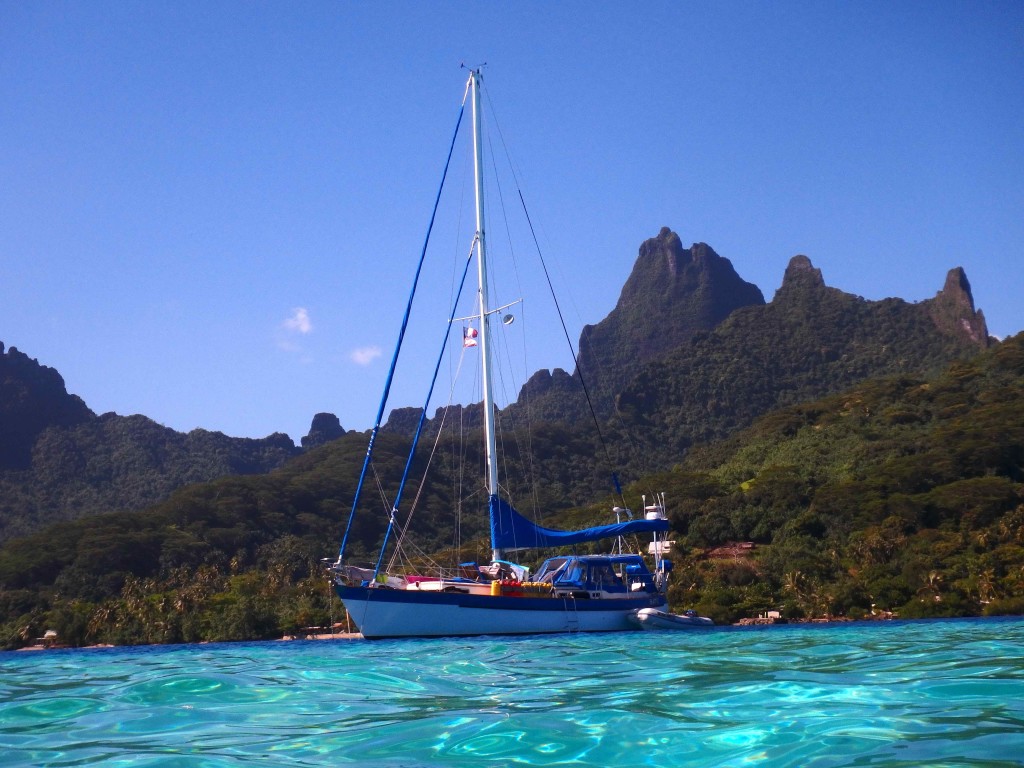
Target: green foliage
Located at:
point(809, 342)
point(109, 463)
point(899, 495)
point(257, 541)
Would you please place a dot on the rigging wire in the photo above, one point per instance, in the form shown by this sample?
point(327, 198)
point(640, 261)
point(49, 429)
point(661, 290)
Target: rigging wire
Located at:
point(401, 335)
point(499, 427)
point(426, 405)
point(561, 317)
point(455, 445)
point(414, 506)
point(524, 442)
point(579, 372)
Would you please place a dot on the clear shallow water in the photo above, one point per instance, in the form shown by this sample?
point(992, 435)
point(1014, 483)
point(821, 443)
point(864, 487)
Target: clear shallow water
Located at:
point(895, 694)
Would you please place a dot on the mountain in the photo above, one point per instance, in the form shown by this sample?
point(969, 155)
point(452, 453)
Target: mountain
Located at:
point(671, 294)
point(691, 352)
point(324, 429)
point(32, 398)
point(809, 341)
point(901, 493)
point(60, 461)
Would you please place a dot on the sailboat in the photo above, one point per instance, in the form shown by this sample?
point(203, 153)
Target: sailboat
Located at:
point(567, 593)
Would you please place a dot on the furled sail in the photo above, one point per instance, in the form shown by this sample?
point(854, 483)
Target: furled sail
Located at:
point(510, 530)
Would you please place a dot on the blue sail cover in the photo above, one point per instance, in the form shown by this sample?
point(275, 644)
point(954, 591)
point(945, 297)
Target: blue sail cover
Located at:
point(510, 530)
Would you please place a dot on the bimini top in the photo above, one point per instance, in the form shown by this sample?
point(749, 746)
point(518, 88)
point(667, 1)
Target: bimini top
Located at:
point(510, 530)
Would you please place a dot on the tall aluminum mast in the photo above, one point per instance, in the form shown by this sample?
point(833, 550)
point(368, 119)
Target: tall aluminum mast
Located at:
point(481, 260)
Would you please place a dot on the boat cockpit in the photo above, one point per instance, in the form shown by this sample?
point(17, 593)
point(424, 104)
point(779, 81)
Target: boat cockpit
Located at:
point(598, 576)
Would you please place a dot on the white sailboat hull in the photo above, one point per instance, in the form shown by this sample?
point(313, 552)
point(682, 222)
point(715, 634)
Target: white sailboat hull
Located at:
point(382, 613)
point(601, 591)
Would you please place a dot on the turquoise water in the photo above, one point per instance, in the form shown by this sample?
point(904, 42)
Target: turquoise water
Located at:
point(894, 694)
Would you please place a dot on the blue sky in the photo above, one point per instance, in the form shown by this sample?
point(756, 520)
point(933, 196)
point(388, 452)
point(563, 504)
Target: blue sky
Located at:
point(210, 212)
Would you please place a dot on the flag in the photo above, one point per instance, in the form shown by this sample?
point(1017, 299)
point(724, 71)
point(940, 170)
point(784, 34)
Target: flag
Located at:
point(469, 337)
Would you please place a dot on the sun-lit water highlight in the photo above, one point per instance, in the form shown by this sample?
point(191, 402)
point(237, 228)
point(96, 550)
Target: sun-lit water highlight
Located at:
point(887, 694)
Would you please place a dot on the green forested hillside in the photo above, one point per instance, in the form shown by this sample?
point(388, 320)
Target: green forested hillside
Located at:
point(904, 494)
point(840, 495)
point(113, 462)
point(60, 461)
point(229, 559)
point(901, 493)
point(239, 557)
point(690, 351)
point(809, 341)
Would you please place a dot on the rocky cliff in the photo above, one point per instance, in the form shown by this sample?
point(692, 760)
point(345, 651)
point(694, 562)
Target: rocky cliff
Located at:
point(672, 293)
point(810, 341)
point(32, 398)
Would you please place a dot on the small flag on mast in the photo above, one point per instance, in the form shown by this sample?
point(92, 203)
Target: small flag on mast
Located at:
point(469, 337)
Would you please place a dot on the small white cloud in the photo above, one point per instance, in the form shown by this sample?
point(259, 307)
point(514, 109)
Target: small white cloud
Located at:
point(364, 355)
point(299, 321)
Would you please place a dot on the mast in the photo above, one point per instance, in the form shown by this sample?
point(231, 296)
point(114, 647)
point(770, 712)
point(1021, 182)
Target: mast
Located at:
point(481, 260)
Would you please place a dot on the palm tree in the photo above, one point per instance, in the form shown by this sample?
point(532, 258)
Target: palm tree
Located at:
point(931, 585)
point(987, 585)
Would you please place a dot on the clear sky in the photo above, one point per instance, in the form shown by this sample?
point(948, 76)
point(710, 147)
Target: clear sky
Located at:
point(210, 211)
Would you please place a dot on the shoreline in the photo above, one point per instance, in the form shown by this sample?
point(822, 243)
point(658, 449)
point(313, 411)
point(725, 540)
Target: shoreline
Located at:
point(100, 646)
point(745, 622)
point(769, 621)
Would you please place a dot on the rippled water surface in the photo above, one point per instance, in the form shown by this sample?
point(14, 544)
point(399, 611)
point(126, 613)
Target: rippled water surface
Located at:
point(895, 694)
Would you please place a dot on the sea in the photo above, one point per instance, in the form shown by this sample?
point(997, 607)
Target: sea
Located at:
point(925, 693)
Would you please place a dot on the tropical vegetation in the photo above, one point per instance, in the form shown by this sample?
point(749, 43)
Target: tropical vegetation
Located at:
point(901, 494)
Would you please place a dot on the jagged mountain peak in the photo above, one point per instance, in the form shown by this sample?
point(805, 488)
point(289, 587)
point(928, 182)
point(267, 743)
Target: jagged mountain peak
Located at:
point(32, 398)
point(801, 278)
point(324, 428)
point(664, 255)
point(957, 289)
point(801, 271)
point(665, 272)
point(953, 309)
point(671, 293)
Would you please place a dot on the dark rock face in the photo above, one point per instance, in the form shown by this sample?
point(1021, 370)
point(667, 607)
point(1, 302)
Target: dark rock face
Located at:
point(953, 310)
point(810, 341)
point(324, 429)
point(672, 293)
point(32, 398)
point(544, 382)
point(801, 275)
point(403, 421)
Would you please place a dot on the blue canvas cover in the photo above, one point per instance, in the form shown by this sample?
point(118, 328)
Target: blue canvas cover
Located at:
point(510, 530)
